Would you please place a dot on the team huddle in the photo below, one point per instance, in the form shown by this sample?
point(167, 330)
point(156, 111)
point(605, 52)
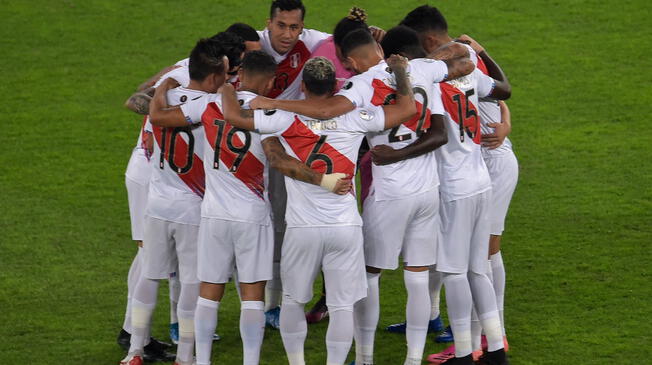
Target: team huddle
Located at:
point(245, 170)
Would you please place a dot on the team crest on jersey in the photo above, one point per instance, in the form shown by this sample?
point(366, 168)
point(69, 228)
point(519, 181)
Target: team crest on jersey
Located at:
point(269, 112)
point(183, 98)
point(461, 83)
point(366, 115)
point(321, 125)
point(295, 59)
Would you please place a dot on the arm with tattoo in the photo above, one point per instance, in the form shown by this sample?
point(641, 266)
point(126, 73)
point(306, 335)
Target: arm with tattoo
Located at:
point(139, 101)
point(337, 183)
point(233, 113)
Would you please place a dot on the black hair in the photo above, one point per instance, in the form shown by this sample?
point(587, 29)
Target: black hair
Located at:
point(233, 46)
point(259, 62)
point(402, 40)
point(319, 76)
point(426, 18)
point(205, 59)
point(287, 5)
point(355, 20)
point(245, 31)
point(355, 39)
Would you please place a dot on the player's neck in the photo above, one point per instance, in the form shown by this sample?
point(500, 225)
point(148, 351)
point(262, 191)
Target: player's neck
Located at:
point(441, 39)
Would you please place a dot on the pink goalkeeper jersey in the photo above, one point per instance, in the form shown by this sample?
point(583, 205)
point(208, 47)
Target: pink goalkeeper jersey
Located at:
point(234, 161)
point(377, 86)
point(326, 146)
point(327, 49)
point(462, 170)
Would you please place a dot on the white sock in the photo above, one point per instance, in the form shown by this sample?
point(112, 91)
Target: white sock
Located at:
point(459, 303)
point(175, 291)
point(142, 307)
point(252, 330)
point(186, 313)
point(434, 286)
point(274, 288)
point(365, 319)
point(339, 335)
point(476, 331)
point(417, 312)
point(205, 324)
point(294, 329)
point(132, 281)
point(498, 273)
point(484, 299)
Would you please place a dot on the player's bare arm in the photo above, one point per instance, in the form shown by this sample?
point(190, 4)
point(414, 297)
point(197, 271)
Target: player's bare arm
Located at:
point(405, 107)
point(450, 51)
point(503, 89)
point(139, 101)
point(160, 113)
point(501, 130)
point(233, 113)
point(456, 57)
point(429, 141)
point(328, 108)
point(295, 169)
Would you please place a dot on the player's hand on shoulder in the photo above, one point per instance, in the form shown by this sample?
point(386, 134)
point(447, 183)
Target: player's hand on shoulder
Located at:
point(397, 62)
point(383, 155)
point(377, 33)
point(261, 102)
point(169, 83)
point(226, 87)
point(464, 38)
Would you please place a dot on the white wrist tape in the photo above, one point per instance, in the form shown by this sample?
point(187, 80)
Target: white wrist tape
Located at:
point(328, 181)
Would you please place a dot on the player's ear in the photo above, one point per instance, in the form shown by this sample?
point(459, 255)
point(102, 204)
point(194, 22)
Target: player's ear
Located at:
point(303, 87)
point(352, 64)
point(240, 74)
point(380, 51)
point(269, 23)
point(269, 86)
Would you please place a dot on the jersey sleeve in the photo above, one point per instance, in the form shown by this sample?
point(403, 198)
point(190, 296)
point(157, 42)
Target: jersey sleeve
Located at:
point(313, 38)
point(368, 119)
point(148, 126)
point(271, 121)
point(436, 104)
point(194, 109)
point(485, 84)
point(433, 70)
point(357, 91)
point(472, 55)
point(180, 74)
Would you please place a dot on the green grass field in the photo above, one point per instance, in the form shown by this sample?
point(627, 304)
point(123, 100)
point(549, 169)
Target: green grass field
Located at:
point(579, 233)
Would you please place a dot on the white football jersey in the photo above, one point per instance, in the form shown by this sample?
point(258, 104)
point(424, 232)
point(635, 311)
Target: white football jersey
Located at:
point(490, 113)
point(177, 183)
point(462, 170)
point(326, 146)
point(138, 168)
point(377, 86)
point(287, 84)
point(234, 162)
point(181, 74)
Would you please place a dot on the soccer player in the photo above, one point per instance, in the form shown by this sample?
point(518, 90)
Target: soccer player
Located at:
point(173, 209)
point(291, 46)
point(324, 231)
point(137, 183)
point(495, 123)
point(236, 174)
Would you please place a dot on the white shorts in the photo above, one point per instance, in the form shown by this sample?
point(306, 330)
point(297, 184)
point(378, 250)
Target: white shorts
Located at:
point(408, 227)
point(223, 243)
point(337, 251)
point(465, 235)
point(503, 170)
point(167, 244)
point(137, 197)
